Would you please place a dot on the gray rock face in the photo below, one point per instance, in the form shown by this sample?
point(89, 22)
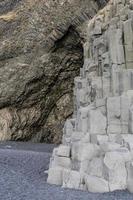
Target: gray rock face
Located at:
point(40, 54)
point(100, 134)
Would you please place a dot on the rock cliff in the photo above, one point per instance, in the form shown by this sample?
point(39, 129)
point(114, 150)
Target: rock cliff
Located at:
point(97, 147)
point(40, 54)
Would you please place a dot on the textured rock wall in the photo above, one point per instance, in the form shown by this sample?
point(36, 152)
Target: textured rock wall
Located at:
point(97, 150)
point(40, 54)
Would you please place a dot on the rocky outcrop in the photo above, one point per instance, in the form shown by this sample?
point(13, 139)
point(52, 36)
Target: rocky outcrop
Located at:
point(97, 147)
point(40, 54)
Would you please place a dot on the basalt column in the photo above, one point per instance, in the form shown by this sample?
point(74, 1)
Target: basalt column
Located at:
point(96, 153)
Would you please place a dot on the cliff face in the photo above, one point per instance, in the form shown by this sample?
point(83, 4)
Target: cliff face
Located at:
point(40, 54)
point(96, 153)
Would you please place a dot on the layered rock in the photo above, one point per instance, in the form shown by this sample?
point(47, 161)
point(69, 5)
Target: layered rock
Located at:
point(96, 153)
point(40, 54)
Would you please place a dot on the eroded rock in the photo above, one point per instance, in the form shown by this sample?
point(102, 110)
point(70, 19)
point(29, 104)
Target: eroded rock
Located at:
point(40, 55)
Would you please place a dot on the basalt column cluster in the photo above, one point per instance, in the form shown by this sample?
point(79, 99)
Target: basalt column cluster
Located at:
point(96, 153)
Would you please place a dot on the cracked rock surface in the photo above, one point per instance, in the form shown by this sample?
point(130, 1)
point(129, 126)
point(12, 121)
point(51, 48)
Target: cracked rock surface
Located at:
point(40, 54)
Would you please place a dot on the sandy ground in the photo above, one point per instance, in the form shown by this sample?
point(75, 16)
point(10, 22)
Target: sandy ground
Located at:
point(22, 176)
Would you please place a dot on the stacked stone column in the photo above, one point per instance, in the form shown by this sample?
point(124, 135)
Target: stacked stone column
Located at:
point(96, 153)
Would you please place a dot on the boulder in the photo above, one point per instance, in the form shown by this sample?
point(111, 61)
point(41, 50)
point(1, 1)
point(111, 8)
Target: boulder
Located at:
point(61, 161)
point(96, 185)
point(71, 179)
point(63, 151)
point(55, 176)
point(96, 167)
point(84, 151)
point(115, 170)
point(129, 167)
